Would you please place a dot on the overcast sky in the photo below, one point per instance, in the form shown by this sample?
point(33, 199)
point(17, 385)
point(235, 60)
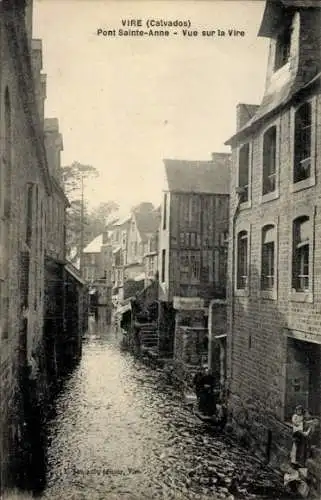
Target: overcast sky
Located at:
point(126, 103)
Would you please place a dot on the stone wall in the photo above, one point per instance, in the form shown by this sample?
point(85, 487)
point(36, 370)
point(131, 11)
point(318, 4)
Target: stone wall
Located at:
point(259, 324)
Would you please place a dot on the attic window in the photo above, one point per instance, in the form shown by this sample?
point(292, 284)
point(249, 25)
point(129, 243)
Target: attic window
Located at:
point(283, 44)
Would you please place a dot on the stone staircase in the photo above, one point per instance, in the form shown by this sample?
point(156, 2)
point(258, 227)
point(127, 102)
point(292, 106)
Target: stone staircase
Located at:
point(148, 337)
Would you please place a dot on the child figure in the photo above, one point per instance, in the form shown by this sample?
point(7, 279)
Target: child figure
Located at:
point(299, 437)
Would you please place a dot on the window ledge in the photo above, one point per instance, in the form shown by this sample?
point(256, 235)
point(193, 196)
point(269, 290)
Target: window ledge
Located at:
point(269, 196)
point(245, 205)
point(306, 297)
point(305, 184)
point(241, 292)
point(281, 69)
point(268, 294)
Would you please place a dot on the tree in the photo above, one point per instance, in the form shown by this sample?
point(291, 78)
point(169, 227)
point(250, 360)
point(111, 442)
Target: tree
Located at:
point(100, 216)
point(83, 225)
point(74, 179)
point(74, 175)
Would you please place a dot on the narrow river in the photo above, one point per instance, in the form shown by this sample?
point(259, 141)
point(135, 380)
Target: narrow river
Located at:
point(120, 432)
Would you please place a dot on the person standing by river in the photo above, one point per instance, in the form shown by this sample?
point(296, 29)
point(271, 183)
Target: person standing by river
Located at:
point(300, 435)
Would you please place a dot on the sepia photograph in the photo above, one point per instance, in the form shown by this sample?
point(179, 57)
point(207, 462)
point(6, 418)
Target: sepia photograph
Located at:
point(160, 256)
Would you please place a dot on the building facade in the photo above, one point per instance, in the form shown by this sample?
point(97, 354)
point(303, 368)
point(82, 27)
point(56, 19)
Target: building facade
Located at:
point(119, 240)
point(143, 227)
point(24, 187)
point(92, 260)
point(150, 259)
point(274, 263)
point(194, 228)
point(34, 287)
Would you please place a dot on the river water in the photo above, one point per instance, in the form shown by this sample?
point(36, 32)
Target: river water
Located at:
point(120, 432)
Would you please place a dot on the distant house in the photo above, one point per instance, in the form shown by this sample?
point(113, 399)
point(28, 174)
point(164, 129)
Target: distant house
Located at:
point(144, 225)
point(194, 228)
point(150, 259)
point(119, 237)
point(92, 261)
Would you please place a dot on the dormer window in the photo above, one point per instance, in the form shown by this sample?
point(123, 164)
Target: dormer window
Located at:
point(269, 161)
point(302, 144)
point(244, 175)
point(283, 44)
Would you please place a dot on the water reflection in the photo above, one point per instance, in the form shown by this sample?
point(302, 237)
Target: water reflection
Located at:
point(120, 432)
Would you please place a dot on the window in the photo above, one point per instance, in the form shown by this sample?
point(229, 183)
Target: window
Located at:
point(269, 161)
point(268, 258)
point(5, 201)
point(184, 267)
point(224, 239)
point(242, 260)
point(29, 214)
point(301, 254)
point(36, 216)
point(189, 240)
point(165, 211)
point(207, 266)
point(244, 164)
point(283, 44)
point(195, 267)
point(6, 174)
point(190, 267)
point(163, 265)
point(302, 143)
point(194, 208)
point(41, 227)
point(184, 208)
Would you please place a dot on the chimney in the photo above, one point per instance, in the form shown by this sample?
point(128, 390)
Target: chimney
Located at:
point(28, 19)
point(40, 79)
point(244, 113)
point(54, 146)
point(220, 156)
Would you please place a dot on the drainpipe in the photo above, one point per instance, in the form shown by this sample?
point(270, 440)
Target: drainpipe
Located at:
point(210, 335)
point(239, 191)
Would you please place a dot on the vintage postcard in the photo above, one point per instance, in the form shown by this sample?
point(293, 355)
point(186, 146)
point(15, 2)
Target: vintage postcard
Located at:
point(160, 321)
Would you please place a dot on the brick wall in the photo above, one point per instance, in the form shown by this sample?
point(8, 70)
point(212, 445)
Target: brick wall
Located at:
point(258, 326)
point(25, 164)
point(257, 353)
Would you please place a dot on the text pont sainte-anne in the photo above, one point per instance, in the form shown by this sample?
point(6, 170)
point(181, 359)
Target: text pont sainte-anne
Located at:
point(145, 28)
point(185, 32)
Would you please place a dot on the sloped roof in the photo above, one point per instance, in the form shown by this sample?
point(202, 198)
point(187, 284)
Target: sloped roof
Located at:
point(271, 103)
point(147, 222)
point(274, 10)
point(71, 269)
point(208, 177)
point(306, 4)
point(122, 220)
point(95, 245)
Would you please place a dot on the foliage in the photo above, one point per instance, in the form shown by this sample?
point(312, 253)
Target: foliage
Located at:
point(75, 177)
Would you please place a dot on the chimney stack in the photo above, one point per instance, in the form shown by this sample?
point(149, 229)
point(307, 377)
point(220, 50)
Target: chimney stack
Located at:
point(244, 113)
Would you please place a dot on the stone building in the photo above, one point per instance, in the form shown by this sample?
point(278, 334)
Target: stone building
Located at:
point(119, 239)
point(150, 258)
point(35, 292)
point(144, 224)
point(25, 185)
point(274, 263)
